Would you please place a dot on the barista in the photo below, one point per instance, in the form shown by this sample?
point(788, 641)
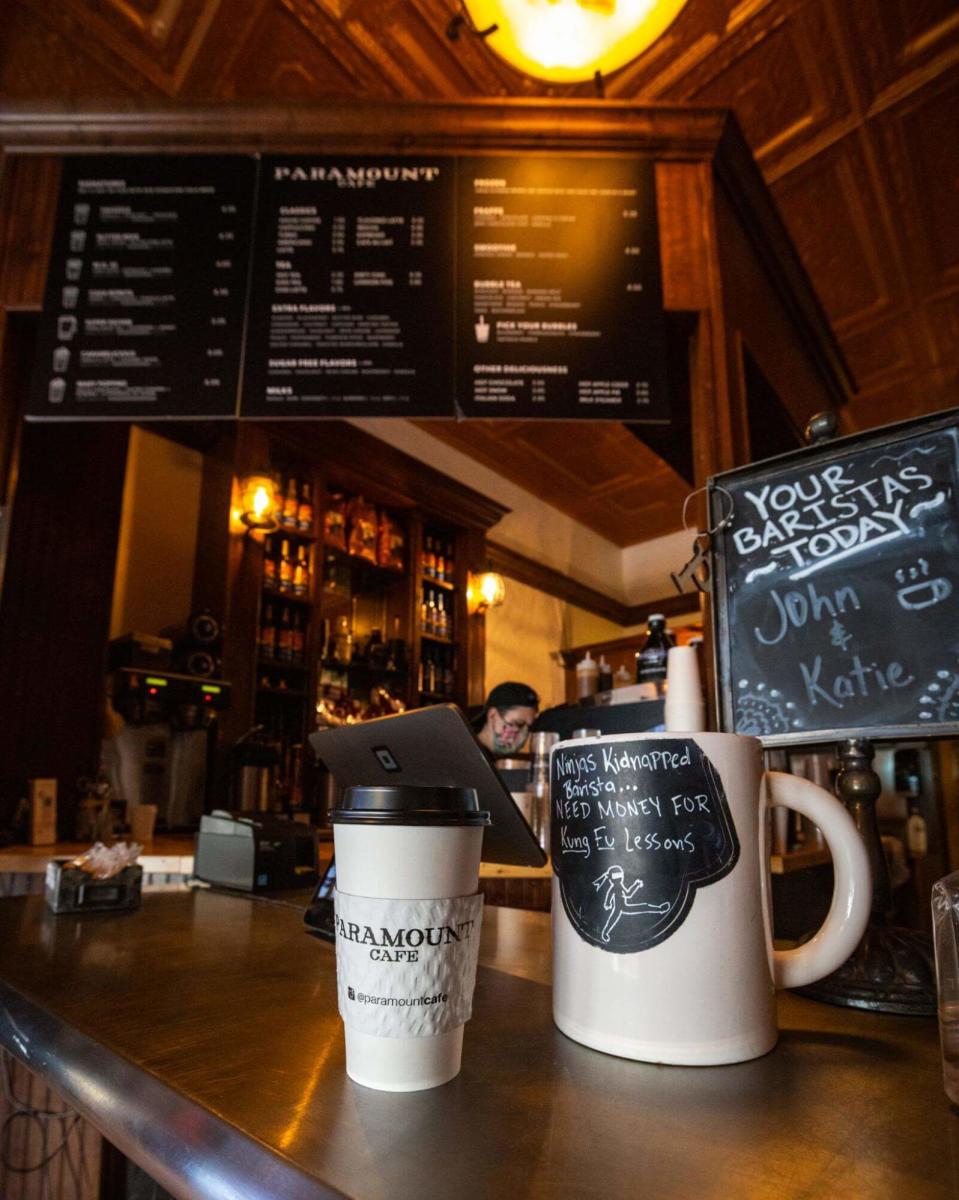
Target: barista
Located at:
point(504, 723)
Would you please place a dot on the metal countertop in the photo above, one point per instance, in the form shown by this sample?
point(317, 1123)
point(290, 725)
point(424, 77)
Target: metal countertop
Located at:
point(200, 1035)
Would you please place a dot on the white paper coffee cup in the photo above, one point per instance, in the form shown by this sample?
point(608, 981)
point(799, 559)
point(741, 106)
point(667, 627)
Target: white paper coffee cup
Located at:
point(408, 918)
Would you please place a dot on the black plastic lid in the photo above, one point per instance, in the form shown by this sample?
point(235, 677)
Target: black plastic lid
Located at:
point(406, 804)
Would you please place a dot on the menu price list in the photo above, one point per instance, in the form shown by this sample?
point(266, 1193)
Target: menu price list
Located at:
point(351, 301)
point(560, 303)
point(144, 306)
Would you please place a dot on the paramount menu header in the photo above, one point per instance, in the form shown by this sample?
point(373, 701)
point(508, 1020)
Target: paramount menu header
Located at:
point(338, 286)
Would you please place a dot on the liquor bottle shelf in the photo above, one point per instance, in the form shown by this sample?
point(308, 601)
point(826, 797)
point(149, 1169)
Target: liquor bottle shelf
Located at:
point(287, 597)
point(359, 668)
point(301, 535)
point(286, 693)
point(440, 641)
point(427, 581)
point(279, 664)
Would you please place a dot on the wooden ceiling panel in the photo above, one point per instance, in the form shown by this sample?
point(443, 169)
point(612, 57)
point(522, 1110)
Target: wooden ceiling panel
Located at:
point(159, 40)
point(291, 55)
point(920, 143)
point(40, 59)
point(888, 351)
point(833, 212)
point(772, 72)
point(896, 45)
point(596, 473)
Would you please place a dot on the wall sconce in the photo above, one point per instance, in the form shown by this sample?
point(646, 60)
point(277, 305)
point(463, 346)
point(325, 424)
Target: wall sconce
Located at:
point(484, 590)
point(567, 41)
point(257, 502)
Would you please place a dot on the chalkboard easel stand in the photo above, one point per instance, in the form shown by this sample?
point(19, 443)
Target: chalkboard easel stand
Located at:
point(892, 969)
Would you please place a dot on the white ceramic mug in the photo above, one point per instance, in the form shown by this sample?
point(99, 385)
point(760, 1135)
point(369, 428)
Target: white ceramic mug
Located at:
point(662, 930)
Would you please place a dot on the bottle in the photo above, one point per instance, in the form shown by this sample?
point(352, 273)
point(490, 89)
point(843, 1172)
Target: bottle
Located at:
point(605, 683)
point(343, 646)
point(431, 613)
point(587, 676)
point(284, 637)
point(450, 575)
point(376, 650)
point(917, 833)
point(622, 678)
point(285, 569)
point(442, 618)
point(269, 565)
point(651, 658)
point(396, 653)
point(290, 505)
point(449, 676)
point(304, 511)
point(440, 562)
point(297, 640)
point(266, 638)
point(301, 573)
point(429, 559)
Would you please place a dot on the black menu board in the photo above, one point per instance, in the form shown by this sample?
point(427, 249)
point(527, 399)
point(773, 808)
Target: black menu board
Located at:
point(351, 306)
point(144, 307)
point(837, 588)
point(559, 299)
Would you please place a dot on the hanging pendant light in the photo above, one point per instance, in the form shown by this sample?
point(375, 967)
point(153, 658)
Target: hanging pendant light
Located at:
point(567, 41)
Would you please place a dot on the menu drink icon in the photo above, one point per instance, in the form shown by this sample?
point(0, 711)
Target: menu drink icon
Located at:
point(78, 241)
point(66, 327)
point(61, 359)
point(56, 391)
point(482, 329)
point(81, 214)
point(70, 296)
point(74, 267)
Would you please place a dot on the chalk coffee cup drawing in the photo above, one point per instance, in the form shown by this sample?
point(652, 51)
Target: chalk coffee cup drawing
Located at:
point(407, 917)
point(662, 929)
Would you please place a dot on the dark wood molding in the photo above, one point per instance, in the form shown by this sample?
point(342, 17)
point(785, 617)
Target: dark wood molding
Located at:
point(742, 182)
point(534, 574)
point(661, 130)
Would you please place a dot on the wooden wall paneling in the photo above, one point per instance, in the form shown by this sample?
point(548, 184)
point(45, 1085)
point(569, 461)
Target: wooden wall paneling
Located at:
point(55, 606)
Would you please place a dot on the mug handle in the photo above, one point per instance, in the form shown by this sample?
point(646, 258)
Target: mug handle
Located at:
point(848, 914)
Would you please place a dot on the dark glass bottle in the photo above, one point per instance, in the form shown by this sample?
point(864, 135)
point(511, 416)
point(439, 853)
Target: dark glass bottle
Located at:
point(651, 656)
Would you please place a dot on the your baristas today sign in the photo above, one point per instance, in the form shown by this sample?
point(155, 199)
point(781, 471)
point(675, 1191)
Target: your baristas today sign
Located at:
point(802, 550)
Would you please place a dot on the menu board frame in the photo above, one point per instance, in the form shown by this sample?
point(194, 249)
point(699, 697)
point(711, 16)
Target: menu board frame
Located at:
point(648, 329)
point(916, 570)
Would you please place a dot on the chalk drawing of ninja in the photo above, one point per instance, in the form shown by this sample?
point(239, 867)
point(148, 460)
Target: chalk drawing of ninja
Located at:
point(618, 901)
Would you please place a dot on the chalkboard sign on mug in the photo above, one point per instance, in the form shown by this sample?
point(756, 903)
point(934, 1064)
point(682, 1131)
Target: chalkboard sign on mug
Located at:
point(836, 602)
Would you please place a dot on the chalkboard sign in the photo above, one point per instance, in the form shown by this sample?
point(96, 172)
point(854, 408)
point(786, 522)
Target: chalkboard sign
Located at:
point(836, 600)
point(637, 827)
point(146, 289)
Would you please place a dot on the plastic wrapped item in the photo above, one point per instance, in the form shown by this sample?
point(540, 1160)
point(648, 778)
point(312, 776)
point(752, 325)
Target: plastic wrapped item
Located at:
point(361, 518)
point(104, 877)
point(334, 521)
point(389, 549)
